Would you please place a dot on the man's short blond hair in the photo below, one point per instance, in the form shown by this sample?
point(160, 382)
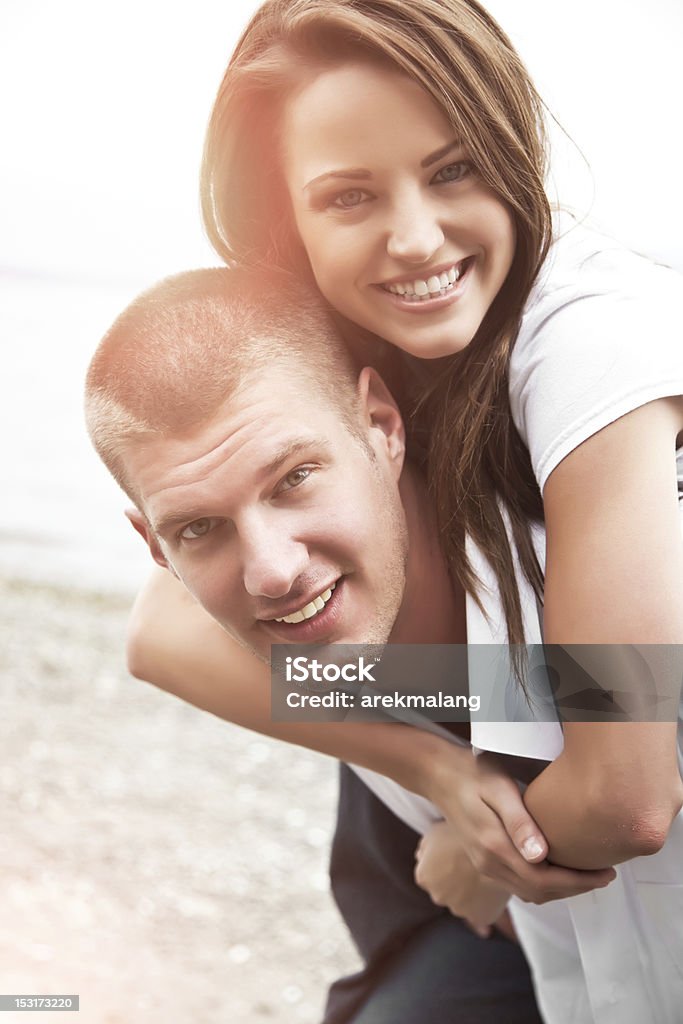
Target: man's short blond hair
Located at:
point(183, 347)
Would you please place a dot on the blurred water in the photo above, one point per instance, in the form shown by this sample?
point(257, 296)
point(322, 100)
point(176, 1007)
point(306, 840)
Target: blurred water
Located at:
point(61, 516)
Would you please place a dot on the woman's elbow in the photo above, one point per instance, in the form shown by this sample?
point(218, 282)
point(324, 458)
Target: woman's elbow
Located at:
point(648, 835)
point(668, 812)
point(641, 831)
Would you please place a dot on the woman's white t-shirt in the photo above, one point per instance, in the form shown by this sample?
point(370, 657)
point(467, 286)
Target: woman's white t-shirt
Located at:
point(602, 335)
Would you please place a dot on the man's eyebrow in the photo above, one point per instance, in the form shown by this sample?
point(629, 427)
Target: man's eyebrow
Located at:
point(287, 451)
point(296, 446)
point(164, 525)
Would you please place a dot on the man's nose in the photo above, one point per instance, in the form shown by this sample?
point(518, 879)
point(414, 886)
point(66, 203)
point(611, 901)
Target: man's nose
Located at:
point(272, 561)
point(415, 233)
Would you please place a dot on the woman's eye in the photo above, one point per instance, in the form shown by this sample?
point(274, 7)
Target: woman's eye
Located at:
point(296, 477)
point(347, 200)
point(453, 172)
point(198, 528)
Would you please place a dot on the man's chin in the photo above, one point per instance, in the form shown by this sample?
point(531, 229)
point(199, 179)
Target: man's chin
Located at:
point(260, 655)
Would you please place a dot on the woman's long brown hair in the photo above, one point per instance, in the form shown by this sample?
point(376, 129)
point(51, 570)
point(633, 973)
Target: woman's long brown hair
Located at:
point(478, 465)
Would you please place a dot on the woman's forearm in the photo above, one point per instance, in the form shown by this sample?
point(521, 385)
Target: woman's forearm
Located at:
point(614, 600)
point(611, 795)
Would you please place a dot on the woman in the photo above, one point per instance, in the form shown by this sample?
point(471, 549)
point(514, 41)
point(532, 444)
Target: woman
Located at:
point(395, 150)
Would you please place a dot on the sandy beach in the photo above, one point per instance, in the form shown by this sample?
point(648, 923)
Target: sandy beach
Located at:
point(164, 865)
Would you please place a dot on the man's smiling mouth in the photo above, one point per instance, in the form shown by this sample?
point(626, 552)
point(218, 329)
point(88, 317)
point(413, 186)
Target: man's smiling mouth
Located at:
point(310, 610)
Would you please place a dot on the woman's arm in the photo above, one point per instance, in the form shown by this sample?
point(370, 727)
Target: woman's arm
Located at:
point(174, 644)
point(614, 576)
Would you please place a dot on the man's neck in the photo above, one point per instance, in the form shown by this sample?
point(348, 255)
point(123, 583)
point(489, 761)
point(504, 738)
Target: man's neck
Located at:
point(433, 608)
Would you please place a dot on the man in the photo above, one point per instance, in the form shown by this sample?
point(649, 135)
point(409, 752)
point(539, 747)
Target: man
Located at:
point(270, 479)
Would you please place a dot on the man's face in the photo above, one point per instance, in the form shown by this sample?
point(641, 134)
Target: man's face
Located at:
point(274, 510)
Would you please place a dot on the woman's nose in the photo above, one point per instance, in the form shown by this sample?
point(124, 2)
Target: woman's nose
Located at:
point(415, 234)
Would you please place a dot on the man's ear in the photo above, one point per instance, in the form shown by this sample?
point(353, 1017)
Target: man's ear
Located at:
point(382, 413)
point(141, 526)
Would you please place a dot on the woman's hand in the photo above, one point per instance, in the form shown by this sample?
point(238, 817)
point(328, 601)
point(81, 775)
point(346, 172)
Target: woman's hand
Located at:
point(488, 825)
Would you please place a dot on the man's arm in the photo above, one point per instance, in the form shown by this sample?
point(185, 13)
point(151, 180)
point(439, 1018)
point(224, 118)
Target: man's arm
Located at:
point(174, 644)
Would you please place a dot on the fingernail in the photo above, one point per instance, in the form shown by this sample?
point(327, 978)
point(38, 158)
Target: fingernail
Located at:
point(531, 848)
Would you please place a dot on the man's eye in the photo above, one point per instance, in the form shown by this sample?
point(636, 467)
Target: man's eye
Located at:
point(453, 172)
point(198, 528)
point(352, 197)
point(296, 477)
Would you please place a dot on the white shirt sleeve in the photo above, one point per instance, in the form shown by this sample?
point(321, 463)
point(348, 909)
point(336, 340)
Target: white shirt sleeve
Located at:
point(602, 336)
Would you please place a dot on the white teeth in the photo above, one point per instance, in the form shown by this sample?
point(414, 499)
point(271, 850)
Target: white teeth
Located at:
point(311, 609)
point(421, 289)
point(294, 617)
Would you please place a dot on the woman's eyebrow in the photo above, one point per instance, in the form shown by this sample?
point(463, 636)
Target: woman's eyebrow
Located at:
point(438, 154)
point(362, 174)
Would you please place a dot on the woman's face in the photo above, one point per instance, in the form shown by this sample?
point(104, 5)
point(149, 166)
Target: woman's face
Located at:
point(403, 237)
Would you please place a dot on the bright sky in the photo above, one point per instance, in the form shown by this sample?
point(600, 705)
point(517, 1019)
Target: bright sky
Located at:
point(102, 135)
point(102, 142)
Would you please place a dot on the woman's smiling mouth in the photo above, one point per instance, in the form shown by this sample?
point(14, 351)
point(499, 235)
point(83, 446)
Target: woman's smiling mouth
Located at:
point(432, 290)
